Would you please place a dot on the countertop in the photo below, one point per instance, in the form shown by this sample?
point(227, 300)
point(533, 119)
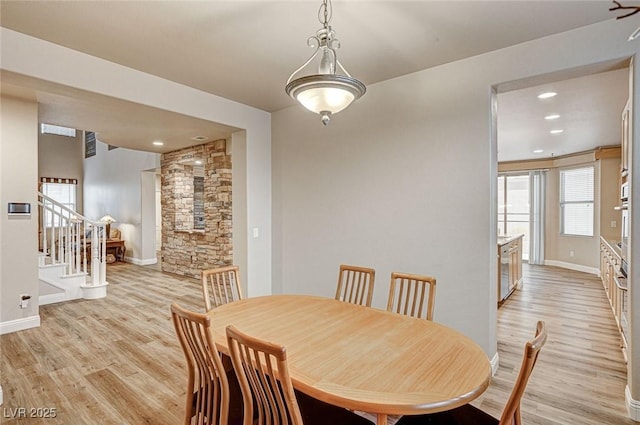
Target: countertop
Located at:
point(505, 239)
point(613, 246)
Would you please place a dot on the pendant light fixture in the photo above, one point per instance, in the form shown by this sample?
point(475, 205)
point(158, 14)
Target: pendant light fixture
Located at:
point(324, 92)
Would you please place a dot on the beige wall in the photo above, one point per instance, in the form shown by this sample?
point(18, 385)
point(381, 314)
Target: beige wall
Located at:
point(18, 235)
point(609, 198)
point(585, 249)
point(24, 55)
point(60, 156)
point(405, 179)
point(569, 250)
point(116, 183)
point(559, 248)
point(434, 130)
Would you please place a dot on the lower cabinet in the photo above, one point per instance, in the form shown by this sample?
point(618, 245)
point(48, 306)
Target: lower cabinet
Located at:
point(615, 286)
point(510, 264)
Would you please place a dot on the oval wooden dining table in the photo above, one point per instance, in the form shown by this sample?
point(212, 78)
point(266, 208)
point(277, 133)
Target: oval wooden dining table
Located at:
point(361, 358)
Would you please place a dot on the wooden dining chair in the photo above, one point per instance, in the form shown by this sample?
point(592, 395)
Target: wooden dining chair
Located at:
point(263, 373)
point(470, 415)
point(412, 295)
point(355, 285)
point(207, 385)
point(221, 286)
point(267, 391)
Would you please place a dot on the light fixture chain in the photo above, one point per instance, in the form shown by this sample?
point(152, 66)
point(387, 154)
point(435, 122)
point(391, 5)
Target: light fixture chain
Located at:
point(325, 13)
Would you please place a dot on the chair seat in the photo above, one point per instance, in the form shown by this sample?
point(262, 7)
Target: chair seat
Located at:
point(316, 412)
point(464, 415)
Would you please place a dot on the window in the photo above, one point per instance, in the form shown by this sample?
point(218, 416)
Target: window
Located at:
point(576, 201)
point(57, 130)
point(65, 194)
point(513, 208)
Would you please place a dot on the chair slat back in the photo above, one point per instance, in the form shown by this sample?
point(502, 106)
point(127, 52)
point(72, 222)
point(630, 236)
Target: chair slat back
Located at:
point(263, 374)
point(207, 385)
point(355, 285)
point(221, 286)
point(511, 412)
point(412, 295)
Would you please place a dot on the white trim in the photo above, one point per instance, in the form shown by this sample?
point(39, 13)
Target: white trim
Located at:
point(633, 406)
point(571, 266)
point(93, 292)
point(147, 262)
point(495, 362)
point(1, 398)
point(19, 324)
point(52, 298)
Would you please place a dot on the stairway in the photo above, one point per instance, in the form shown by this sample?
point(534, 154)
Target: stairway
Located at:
point(56, 285)
point(65, 273)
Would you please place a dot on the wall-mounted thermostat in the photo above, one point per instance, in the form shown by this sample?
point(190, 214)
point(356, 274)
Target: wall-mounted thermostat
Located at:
point(19, 208)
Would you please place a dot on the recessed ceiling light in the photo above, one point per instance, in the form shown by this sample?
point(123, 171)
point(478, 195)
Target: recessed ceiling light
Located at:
point(547, 95)
point(538, 151)
point(158, 143)
point(199, 138)
point(198, 162)
point(552, 117)
point(556, 131)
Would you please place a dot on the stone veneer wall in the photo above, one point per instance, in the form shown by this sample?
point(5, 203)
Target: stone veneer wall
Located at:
point(185, 250)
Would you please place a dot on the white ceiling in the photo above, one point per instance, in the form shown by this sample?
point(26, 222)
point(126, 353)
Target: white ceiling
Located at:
point(589, 109)
point(245, 51)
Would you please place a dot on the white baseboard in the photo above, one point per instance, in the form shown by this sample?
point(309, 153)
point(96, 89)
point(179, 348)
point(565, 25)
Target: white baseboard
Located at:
point(633, 406)
point(495, 362)
point(138, 262)
point(19, 324)
point(52, 298)
point(571, 266)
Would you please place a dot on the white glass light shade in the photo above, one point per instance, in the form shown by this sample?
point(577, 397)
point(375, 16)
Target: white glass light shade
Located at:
point(325, 92)
point(322, 99)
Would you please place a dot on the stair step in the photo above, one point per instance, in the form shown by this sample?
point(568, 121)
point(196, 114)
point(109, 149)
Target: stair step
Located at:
point(49, 294)
point(68, 286)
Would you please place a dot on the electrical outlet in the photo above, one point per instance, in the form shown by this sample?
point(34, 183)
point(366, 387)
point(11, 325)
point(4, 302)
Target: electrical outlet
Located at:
point(571, 253)
point(24, 300)
point(614, 223)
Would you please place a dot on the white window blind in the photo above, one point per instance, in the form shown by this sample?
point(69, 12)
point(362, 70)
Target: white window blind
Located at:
point(63, 193)
point(576, 201)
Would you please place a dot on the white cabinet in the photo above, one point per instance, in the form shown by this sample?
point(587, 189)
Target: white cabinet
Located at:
point(510, 266)
point(615, 286)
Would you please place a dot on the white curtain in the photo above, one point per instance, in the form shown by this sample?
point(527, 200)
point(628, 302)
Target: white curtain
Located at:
point(537, 195)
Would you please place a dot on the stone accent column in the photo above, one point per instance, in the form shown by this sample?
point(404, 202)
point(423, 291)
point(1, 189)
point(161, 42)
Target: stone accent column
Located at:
point(187, 250)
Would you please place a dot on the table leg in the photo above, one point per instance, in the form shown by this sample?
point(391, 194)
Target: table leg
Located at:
point(382, 419)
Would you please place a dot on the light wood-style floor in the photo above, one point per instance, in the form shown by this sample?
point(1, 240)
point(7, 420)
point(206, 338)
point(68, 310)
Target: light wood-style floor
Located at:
point(117, 360)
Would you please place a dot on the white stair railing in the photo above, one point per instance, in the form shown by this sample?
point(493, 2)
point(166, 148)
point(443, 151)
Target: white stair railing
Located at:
point(64, 240)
